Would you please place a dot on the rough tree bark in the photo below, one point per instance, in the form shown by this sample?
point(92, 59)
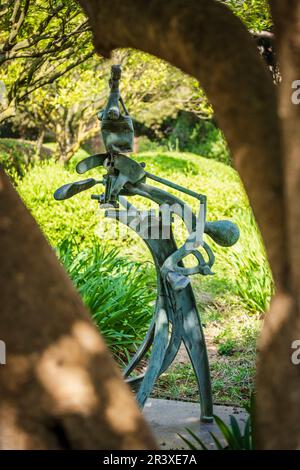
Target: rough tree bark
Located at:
point(59, 389)
point(278, 380)
point(206, 40)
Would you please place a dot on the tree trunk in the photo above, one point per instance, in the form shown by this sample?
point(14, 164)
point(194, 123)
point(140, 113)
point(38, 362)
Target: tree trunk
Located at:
point(60, 388)
point(39, 143)
point(278, 379)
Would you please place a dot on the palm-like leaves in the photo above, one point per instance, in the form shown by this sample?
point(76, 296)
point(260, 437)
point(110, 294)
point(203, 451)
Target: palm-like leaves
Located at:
point(235, 438)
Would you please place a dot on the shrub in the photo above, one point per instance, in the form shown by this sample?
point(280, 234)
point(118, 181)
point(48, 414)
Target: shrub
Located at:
point(253, 279)
point(16, 156)
point(201, 137)
point(75, 218)
point(115, 290)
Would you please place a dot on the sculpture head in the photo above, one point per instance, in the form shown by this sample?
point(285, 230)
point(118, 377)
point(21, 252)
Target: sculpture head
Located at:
point(117, 128)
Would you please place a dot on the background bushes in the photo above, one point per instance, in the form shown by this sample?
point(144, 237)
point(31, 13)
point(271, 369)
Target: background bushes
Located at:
point(187, 133)
point(16, 156)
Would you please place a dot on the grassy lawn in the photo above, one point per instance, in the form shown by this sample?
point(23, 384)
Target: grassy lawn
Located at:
point(231, 302)
point(231, 335)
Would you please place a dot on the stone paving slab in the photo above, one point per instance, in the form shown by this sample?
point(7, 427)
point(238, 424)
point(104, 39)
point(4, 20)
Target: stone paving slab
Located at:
point(167, 418)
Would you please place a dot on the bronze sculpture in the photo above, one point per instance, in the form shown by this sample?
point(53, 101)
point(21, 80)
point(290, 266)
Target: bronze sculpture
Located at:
point(176, 318)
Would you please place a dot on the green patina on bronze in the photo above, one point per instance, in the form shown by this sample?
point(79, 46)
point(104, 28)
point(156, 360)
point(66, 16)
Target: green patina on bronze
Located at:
point(176, 318)
point(117, 128)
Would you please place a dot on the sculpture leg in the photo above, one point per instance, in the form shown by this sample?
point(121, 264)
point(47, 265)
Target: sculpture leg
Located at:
point(142, 350)
point(194, 341)
point(175, 339)
point(172, 351)
point(159, 348)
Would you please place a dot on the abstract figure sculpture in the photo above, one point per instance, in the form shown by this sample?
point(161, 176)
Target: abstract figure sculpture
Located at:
point(175, 318)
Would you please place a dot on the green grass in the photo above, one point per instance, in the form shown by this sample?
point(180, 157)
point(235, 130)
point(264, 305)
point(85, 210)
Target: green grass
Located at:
point(231, 302)
point(232, 382)
point(231, 340)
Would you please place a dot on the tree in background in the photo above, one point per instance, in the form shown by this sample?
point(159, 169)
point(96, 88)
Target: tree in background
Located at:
point(152, 89)
point(39, 42)
point(66, 109)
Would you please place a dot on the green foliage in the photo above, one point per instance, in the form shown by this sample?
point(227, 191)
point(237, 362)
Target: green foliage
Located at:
point(66, 109)
point(74, 219)
point(16, 156)
point(39, 41)
point(154, 90)
point(235, 437)
point(147, 145)
point(200, 137)
point(115, 290)
point(254, 13)
point(254, 284)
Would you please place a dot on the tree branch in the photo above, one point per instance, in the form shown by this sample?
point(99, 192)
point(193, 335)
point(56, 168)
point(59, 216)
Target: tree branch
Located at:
point(18, 18)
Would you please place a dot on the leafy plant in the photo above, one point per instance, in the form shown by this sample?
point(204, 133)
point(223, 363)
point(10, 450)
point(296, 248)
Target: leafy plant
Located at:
point(17, 156)
point(116, 291)
point(198, 136)
point(227, 347)
point(254, 13)
point(256, 286)
point(235, 438)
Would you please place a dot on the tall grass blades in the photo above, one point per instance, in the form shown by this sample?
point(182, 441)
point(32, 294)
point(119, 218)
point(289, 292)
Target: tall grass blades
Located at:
point(254, 284)
point(116, 291)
